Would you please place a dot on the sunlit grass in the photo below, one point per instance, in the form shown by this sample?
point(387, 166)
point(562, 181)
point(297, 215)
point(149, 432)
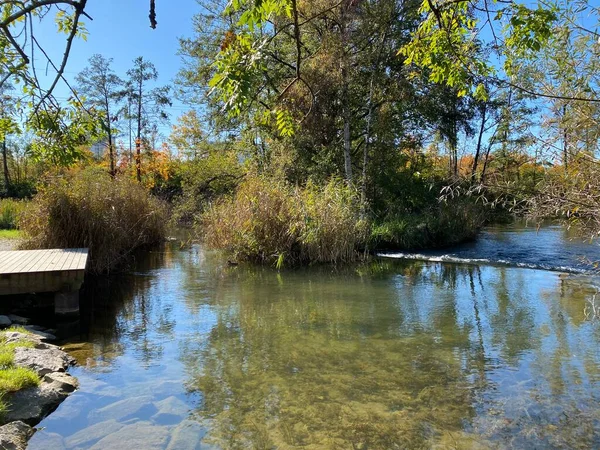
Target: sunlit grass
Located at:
point(10, 234)
point(13, 378)
point(17, 378)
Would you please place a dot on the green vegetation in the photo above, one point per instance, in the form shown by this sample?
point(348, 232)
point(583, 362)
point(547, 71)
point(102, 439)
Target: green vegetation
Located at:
point(9, 213)
point(13, 378)
point(271, 221)
point(10, 234)
point(112, 217)
point(440, 226)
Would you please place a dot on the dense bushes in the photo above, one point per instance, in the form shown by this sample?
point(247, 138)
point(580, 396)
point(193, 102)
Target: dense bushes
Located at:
point(271, 221)
point(112, 217)
point(440, 225)
point(203, 181)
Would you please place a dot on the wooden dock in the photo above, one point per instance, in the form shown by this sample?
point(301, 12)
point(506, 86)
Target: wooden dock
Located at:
point(56, 270)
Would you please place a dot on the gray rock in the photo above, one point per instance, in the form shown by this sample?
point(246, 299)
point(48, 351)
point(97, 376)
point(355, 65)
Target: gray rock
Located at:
point(170, 410)
point(14, 336)
point(42, 361)
point(187, 436)
point(61, 381)
point(33, 404)
point(18, 320)
point(120, 409)
point(42, 335)
point(5, 322)
point(90, 435)
point(140, 435)
point(14, 436)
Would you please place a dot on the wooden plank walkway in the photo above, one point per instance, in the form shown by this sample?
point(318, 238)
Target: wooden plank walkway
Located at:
point(34, 261)
point(55, 270)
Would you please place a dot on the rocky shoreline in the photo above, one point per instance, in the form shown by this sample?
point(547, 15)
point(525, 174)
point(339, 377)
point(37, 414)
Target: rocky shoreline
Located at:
point(29, 406)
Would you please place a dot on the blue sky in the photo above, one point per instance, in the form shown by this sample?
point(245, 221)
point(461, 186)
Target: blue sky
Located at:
point(121, 30)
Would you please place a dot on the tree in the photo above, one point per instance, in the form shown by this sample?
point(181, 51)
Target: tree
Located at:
point(8, 125)
point(102, 91)
point(187, 136)
point(149, 103)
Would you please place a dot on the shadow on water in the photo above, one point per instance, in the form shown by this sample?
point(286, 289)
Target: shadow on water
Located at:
point(186, 351)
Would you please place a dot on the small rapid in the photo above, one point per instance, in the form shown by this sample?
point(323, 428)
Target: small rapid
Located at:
point(552, 248)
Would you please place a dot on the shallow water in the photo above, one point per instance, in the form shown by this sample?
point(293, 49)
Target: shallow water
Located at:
point(553, 247)
point(188, 353)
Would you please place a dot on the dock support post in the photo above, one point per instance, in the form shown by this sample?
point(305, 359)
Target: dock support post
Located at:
point(66, 302)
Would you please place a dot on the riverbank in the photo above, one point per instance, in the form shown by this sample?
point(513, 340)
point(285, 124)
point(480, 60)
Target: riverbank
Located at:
point(33, 380)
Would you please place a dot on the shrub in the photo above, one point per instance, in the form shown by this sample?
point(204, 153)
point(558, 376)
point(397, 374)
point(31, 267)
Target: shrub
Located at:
point(267, 220)
point(9, 213)
point(203, 181)
point(111, 217)
point(445, 224)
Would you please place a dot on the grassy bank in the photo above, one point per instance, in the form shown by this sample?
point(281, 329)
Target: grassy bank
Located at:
point(13, 379)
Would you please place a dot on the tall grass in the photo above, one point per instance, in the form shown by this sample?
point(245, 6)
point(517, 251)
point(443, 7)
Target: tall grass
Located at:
point(10, 210)
point(268, 220)
point(111, 217)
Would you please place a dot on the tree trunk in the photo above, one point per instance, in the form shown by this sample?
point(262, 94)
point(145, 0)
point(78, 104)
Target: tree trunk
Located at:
point(346, 97)
point(111, 150)
point(479, 139)
point(138, 141)
point(363, 190)
point(5, 164)
point(565, 140)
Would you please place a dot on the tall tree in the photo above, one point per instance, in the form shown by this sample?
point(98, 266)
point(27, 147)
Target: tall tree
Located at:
point(8, 126)
point(149, 104)
point(102, 91)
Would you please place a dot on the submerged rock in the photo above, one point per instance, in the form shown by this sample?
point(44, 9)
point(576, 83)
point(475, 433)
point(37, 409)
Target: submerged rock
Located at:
point(5, 322)
point(90, 435)
point(18, 319)
point(42, 361)
point(187, 435)
point(51, 441)
point(170, 410)
point(14, 435)
point(140, 435)
point(121, 409)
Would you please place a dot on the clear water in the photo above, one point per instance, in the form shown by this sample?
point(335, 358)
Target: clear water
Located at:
point(549, 248)
point(187, 353)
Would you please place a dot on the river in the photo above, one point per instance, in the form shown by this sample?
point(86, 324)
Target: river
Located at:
point(493, 344)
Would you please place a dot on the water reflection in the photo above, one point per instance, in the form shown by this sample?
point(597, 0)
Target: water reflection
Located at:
point(390, 355)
